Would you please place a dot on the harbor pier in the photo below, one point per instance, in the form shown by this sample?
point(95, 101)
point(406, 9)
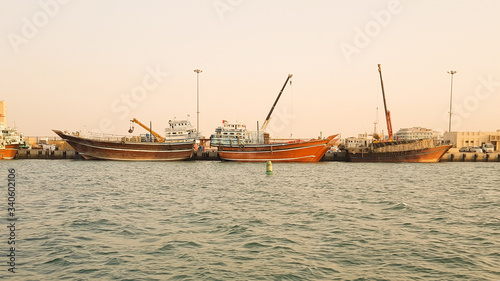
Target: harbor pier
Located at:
point(212, 155)
point(206, 155)
point(335, 156)
point(454, 155)
point(47, 154)
point(451, 156)
point(471, 157)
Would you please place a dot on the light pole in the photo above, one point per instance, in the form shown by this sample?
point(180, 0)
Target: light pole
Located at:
point(197, 100)
point(451, 96)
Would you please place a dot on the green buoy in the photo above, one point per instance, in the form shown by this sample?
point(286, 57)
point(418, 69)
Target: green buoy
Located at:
point(269, 168)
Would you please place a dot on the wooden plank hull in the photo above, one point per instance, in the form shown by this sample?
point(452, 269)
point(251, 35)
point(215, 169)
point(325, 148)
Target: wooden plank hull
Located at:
point(9, 152)
point(128, 151)
point(427, 155)
point(309, 151)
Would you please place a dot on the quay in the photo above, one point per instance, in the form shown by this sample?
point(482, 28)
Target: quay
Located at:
point(47, 154)
point(198, 155)
point(451, 156)
point(72, 154)
point(206, 156)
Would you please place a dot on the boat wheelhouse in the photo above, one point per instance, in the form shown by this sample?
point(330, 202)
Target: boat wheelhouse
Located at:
point(230, 133)
point(180, 130)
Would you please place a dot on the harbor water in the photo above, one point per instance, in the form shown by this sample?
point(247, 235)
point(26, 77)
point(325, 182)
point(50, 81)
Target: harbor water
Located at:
point(203, 220)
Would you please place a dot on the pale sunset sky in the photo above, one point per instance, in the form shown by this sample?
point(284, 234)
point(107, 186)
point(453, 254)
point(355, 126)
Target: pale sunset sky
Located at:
point(94, 65)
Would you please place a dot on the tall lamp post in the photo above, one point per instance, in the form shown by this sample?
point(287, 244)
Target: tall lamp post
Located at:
point(197, 100)
point(451, 96)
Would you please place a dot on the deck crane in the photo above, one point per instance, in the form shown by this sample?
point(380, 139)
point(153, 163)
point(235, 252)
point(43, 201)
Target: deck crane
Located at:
point(157, 136)
point(387, 112)
point(264, 126)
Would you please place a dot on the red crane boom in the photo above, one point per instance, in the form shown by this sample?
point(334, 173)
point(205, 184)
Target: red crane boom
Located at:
point(387, 112)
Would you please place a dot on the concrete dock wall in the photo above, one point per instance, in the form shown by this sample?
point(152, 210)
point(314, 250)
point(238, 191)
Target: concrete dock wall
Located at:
point(47, 154)
point(451, 156)
point(198, 155)
point(454, 155)
point(71, 154)
point(334, 156)
point(470, 157)
point(207, 156)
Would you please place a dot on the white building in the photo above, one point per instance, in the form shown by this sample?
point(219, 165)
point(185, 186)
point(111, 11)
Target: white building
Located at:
point(3, 114)
point(468, 139)
point(363, 140)
point(415, 133)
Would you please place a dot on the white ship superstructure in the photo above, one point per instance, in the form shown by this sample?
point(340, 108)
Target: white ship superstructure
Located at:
point(180, 130)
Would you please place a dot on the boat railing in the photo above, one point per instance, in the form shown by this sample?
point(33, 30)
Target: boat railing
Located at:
point(107, 137)
point(122, 138)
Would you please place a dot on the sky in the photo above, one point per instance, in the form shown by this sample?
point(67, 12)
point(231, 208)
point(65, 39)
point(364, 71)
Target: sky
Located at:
point(94, 65)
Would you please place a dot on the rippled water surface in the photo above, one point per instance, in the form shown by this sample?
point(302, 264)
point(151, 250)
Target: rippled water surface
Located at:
point(99, 220)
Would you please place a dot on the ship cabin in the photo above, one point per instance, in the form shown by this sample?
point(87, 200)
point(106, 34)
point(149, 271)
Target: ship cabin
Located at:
point(180, 130)
point(11, 136)
point(229, 134)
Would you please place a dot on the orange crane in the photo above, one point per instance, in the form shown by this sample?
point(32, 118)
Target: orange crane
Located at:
point(387, 112)
point(157, 136)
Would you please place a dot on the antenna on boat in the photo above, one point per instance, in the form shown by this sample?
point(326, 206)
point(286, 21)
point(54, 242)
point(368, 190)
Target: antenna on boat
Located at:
point(266, 122)
point(387, 112)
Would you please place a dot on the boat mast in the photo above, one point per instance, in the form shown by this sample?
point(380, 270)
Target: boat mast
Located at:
point(264, 126)
point(387, 112)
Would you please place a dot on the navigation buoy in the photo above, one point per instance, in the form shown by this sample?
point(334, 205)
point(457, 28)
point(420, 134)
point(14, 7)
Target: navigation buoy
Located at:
point(269, 168)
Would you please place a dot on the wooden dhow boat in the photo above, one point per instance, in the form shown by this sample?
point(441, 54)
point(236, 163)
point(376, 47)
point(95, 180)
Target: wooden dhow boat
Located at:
point(417, 151)
point(303, 151)
point(421, 151)
point(127, 148)
point(240, 145)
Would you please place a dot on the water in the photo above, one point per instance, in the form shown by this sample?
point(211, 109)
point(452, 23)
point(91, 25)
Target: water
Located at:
point(99, 220)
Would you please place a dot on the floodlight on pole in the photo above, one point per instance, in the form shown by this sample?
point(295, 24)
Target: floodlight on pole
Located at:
point(451, 96)
point(197, 100)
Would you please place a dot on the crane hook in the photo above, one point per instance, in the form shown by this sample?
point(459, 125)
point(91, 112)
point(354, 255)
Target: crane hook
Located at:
point(131, 127)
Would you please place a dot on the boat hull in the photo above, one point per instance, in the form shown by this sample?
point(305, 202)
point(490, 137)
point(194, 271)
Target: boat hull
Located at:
point(9, 152)
point(309, 151)
point(426, 155)
point(128, 151)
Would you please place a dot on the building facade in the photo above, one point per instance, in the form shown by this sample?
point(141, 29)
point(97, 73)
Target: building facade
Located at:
point(363, 140)
point(3, 114)
point(468, 139)
point(415, 133)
